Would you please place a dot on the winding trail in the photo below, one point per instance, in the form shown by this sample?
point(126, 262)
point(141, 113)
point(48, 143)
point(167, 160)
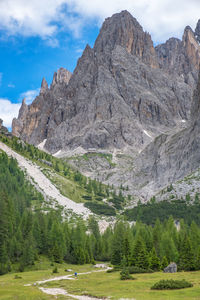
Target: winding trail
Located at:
point(59, 291)
point(34, 172)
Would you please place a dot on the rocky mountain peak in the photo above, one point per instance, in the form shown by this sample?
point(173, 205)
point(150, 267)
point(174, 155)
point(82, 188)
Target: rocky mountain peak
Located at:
point(197, 31)
point(61, 76)
point(44, 86)
point(18, 123)
point(23, 108)
point(124, 30)
point(192, 47)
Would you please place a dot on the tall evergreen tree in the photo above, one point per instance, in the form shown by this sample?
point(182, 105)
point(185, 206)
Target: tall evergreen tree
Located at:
point(186, 259)
point(154, 261)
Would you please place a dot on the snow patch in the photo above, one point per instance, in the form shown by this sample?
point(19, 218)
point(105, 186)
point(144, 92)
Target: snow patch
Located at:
point(183, 121)
point(42, 144)
point(69, 153)
point(57, 153)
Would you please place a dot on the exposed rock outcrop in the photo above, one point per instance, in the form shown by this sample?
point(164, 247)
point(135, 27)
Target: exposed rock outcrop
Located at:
point(3, 129)
point(33, 120)
point(197, 31)
point(181, 57)
point(170, 157)
point(19, 123)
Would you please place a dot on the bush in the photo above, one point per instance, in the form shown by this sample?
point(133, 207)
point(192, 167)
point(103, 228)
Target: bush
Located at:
point(137, 270)
point(100, 209)
point(55, 270)
point(125, 275)
point(171, 285)
point(86, 197)
point(98, 198)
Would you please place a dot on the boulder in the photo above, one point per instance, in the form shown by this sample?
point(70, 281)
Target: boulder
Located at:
point(172, 268)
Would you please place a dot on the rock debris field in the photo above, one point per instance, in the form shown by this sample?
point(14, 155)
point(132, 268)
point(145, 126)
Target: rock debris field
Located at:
point(33, 171)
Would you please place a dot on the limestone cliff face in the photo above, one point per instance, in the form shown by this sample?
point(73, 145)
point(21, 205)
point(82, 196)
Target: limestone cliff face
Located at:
point(122, 94)
point(32, 122)
point(181, 57)
point(171, 157)
point(197, 31)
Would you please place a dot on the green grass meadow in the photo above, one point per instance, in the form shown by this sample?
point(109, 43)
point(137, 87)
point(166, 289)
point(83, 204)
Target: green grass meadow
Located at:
point(109, 285)
point(96, 284)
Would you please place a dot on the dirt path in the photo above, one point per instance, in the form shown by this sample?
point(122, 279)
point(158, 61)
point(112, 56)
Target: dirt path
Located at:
point(59, 291)
point(44, 183)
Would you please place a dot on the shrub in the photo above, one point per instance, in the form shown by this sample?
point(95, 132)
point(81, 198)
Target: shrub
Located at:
point(171, 284)
point(86, 197)
point(125, 275)
point(55, 270)
point(100, 209)
point(137, 270)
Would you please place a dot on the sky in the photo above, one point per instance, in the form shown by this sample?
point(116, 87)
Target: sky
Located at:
point(37, 37)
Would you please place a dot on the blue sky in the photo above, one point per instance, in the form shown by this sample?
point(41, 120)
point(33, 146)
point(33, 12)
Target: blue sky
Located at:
point(39, 36)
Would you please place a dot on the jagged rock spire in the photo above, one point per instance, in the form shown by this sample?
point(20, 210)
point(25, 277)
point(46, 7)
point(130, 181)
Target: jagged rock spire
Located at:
point(61, 76)
point(44, 86)
point(197, 31)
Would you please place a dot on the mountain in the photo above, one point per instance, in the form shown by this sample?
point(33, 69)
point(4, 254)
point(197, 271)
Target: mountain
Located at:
point(124, 95)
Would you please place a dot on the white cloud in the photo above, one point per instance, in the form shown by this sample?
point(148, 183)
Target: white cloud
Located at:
point(162, 19)
point(33, 17)
point(8, 111)
point(29, 95)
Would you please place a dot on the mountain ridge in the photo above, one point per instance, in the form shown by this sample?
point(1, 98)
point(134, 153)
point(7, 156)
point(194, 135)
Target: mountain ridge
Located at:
point(124, 94)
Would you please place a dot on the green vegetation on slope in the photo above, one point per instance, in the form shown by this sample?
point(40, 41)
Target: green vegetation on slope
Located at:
point(26, 233)
point(70, 182)
point(179, 209)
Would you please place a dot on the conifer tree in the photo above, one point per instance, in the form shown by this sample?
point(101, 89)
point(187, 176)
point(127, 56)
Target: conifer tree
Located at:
point(164, 263)
point(140, 257)
point(154, 261)
point(186, 259)
point(197, 260)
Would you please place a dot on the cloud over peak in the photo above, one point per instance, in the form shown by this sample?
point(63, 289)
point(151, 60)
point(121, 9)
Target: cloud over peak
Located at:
point(45, 18)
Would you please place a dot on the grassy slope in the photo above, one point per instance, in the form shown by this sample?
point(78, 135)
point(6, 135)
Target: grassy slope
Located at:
point(11, 288)
point(99, 284)
point(108, 284)
point(67, 188)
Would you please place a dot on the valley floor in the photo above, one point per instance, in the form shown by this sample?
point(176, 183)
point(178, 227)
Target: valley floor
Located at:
point(91, 283)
